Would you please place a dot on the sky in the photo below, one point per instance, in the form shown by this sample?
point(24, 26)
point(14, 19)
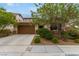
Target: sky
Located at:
point(22, 8)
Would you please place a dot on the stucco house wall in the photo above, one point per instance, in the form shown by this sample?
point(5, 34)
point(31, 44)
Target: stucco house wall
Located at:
point(19, 18)
point(29, 20)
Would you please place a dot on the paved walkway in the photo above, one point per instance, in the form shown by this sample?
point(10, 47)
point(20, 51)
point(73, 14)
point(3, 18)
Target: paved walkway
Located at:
point(52, 50)
point(19, 45)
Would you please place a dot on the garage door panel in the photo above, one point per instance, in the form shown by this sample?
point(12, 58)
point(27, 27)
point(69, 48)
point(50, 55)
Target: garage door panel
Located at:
point(26, 29)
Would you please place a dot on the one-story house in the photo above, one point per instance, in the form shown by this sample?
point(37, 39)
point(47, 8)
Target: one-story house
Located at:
point(26, 26)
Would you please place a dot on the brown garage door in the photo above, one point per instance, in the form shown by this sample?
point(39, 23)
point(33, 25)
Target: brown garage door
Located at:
point(26, 29)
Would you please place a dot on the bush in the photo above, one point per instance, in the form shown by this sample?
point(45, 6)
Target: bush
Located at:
point(64, 34)
point(73, 35)
point(55, 40)
point(37, 39)
point(45, 33)
point(5, 32)
point(76, 40)
point(69, 34)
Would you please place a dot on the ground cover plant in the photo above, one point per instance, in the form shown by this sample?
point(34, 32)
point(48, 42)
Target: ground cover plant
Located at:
point(45, 33)
point(37, 39)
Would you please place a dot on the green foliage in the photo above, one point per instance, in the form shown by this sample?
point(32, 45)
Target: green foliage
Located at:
point(64, 34)
point(76, 40)
point(37, 39)
point(70, 34)
point(48, 13)
point(73, 35)
point(45, 33)
point(55, 40)
point(6, 18)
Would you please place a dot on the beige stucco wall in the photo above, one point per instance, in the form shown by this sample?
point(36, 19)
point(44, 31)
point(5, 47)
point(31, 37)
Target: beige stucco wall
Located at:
point(27, 20)
point(47, 26)
point(10, 27)
point(19, 18)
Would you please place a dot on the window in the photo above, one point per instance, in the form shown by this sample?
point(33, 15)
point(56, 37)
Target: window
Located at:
point(55, 27)
point(41, 26)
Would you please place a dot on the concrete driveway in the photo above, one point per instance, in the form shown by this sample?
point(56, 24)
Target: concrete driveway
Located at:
point(21, 40)
point(15, 44)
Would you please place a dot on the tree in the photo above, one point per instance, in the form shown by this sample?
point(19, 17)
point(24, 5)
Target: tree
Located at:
point(6, 18)
point(2, 9)
point(50, 13)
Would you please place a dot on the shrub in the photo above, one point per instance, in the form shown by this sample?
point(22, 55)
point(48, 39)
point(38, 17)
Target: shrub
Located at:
point(76, 40)
point(45, 33)
point(69, 34)
point(55, 40)
point(5, 32)
point(73, 35)
point(64, 34)
point(37, 39)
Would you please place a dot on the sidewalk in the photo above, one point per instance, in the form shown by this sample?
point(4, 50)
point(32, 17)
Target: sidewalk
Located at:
point(43, 50)
point(40, 50)
point(70, 50)
point(52, 50)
